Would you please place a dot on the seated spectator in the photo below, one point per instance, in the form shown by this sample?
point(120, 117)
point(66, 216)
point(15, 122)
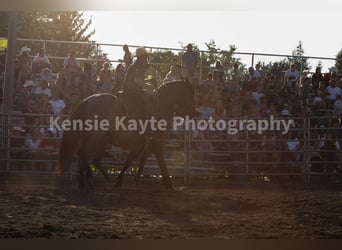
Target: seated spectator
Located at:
point(18, 144)
point(338, 106)
point(40, 61)
point(293, 145)
point(204, 146)
point(26, 93)
point(50, 145)
point(43, 89)
point(329, 154)
point(207, 85)
point(175, 74)
point(46, 75)
point(57, 103)
point(33, 142)
point(285, 113)
point(71, 63)
point(205, 111)
point(332, 91)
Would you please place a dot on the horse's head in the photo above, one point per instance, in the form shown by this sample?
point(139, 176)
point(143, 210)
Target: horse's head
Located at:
point(177, 97)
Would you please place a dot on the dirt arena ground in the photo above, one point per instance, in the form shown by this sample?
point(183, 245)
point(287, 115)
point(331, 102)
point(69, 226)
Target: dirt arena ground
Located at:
point(33, 207)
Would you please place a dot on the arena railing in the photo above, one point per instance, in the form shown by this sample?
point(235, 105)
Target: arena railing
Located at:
point(99, 52)
point(245, 155)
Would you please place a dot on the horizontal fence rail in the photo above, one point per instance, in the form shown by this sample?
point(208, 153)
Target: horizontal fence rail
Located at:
point(317, 152)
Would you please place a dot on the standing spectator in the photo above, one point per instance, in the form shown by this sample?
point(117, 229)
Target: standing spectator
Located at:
point(119, 77)
point(189, 63)
point(24, 59)
point(40, 61)
point(236, 72)
point(3, 61)
point(305, 91)
point(259, 71)
point(127, 58)
point(292, 77)
point(317, 78)
point(105, 78)
point(71, 63)
point(23, 66)
point(219, 67)
point(276, 75)
point(253, 74)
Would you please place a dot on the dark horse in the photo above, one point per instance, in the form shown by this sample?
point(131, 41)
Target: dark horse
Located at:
point(176, 97)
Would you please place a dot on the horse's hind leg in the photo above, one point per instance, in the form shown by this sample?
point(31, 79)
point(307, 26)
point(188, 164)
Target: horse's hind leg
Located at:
point(142, 162)
point(97, 162)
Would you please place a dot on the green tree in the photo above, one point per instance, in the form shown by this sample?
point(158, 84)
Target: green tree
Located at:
point(298, 58)
point(59, 26)
point(214, 54)
point(338, 63)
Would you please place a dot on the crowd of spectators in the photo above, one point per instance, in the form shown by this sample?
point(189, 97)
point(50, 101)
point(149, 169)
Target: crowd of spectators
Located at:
point(225, 93)
point(261, 92)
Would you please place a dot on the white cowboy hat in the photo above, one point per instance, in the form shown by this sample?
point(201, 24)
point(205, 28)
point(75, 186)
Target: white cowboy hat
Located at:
point(25, 49)
point(29, 83)
point(140, 52)
point(18, 129)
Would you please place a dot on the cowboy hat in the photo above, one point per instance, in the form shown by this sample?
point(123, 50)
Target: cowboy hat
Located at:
point(25, 49)
point(29, 83)
point(285, 112)
point(141, 51)
point(18, 129)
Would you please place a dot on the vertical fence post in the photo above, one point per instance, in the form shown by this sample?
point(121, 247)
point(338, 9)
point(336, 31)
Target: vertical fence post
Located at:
point(309, 143)
point(201, 65)
point(252, 64)
point(247, 152)
point(186, 160)
point(9, 81)
point(306, 149)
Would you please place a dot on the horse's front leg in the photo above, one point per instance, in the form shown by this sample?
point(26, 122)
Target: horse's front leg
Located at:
point(158, 151)
point(127, 163)
point(142, 162)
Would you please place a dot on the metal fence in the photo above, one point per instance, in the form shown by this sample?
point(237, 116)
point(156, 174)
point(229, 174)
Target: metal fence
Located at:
point(246, 154)
point(307, 151)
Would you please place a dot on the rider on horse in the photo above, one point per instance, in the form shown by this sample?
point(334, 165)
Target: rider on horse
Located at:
point(134, 87)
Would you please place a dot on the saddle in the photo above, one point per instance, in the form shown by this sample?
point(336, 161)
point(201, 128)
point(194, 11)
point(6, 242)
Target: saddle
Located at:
point(131, 113)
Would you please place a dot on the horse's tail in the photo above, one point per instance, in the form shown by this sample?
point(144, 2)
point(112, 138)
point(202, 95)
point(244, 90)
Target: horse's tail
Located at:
point(69, 143)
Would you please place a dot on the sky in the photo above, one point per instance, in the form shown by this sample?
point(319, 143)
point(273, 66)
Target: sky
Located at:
point(261, 27)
